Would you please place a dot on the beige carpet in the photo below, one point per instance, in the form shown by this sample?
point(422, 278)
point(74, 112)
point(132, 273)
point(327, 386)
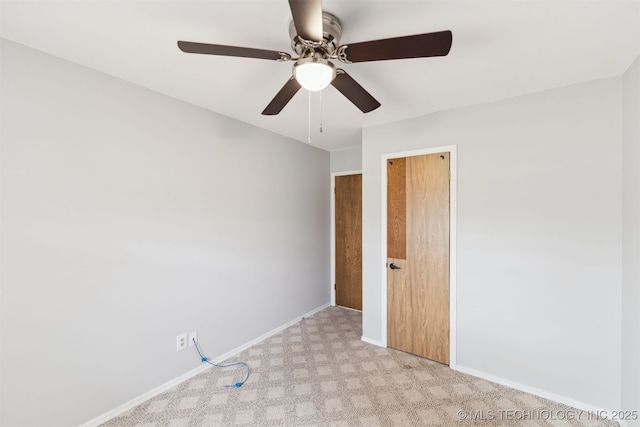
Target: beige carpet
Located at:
point(319, 373)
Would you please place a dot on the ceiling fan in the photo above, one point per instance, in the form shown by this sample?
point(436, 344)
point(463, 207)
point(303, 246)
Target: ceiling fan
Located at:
point(315, 37)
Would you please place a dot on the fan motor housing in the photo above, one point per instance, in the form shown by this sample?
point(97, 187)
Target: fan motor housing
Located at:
point(331, 33)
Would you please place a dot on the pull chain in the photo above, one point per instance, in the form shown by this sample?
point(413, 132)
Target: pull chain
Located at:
point(320, 111)
point(309, 120)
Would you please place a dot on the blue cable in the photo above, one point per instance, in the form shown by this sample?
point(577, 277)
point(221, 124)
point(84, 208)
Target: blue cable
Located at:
point(205, 360)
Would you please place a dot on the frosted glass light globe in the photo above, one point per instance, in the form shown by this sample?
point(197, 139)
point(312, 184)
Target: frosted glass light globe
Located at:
point(314, 74)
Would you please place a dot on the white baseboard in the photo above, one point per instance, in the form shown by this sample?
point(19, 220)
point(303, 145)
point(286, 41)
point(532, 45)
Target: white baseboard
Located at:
point(541, 393)
point(370, 341)
point(101, 419)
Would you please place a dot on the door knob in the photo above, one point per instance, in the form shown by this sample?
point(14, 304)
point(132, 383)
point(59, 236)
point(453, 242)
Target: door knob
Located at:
point(394, 267)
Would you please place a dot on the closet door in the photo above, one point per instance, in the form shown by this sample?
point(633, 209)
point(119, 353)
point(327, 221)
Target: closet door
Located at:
point(348, 238)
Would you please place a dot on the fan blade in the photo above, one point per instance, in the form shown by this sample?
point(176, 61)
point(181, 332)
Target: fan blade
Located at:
point(416, 46)
point(290, 88)
point(307, 17)
point(354, 92)
point(223, 50)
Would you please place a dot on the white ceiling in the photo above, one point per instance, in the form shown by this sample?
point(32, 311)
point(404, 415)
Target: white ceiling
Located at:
point(500, 49)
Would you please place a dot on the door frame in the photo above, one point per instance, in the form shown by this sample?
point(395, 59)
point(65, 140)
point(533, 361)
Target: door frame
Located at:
point(453, 183)
point(332, 230)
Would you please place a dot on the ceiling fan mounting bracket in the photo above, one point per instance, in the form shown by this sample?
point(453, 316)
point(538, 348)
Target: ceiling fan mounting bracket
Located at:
point(331, 33)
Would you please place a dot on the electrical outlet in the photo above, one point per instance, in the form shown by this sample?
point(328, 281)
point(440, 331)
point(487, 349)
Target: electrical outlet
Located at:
point(193, 336)
point(181, 342)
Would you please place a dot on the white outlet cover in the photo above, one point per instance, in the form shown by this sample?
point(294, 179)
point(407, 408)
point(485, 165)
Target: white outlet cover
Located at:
point(181, 342)
point(193, 336)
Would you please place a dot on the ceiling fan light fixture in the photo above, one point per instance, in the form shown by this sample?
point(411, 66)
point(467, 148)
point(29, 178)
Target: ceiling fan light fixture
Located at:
point(314, 73)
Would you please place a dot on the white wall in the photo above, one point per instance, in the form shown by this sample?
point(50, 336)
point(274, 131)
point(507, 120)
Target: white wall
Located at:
point(630, 393)
point(346, 160)
point(129, 217)
point(539, 235)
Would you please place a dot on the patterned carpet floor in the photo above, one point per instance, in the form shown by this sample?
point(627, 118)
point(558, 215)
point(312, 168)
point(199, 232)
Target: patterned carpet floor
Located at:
point(318, 372)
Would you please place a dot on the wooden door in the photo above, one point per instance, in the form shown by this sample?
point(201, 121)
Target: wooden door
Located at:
point(418, 255)
point(348, 238)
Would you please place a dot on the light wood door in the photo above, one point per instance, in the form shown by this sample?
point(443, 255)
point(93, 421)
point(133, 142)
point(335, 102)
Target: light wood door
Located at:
point(418, 248)
point(348, 238)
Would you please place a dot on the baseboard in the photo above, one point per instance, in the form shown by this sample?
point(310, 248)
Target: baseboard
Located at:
point(540, 393)
point(370, 341)
point(101, 419)
point(268, 334)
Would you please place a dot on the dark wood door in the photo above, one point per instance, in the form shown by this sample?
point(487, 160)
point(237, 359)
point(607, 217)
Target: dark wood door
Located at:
point(348, 238)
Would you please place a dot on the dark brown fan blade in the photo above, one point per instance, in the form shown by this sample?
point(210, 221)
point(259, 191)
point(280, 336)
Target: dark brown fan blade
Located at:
point(354, 92)
point(416, 46)
point(307, 17)
point(223, 50)
point(290, 88)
